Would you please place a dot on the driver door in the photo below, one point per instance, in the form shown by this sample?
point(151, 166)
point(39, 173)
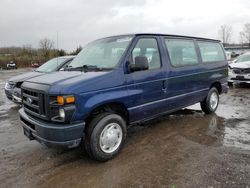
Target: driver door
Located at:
point(146, 88)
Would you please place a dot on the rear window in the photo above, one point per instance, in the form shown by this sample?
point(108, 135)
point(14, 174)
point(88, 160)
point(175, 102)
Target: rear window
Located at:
point(211, 52)
point(181, 51)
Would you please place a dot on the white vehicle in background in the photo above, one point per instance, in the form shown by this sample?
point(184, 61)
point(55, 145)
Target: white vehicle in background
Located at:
point(239, 71)
point(11, 65)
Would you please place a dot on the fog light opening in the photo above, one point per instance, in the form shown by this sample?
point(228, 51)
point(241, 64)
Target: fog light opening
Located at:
point(62, 113)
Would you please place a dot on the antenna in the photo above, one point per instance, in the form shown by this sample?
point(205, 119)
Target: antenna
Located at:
point(57, 47)
point(57, 40)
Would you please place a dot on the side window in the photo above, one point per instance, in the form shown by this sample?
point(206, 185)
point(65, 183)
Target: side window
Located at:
point(182, 52)
point(211, 52)
point(147, 47)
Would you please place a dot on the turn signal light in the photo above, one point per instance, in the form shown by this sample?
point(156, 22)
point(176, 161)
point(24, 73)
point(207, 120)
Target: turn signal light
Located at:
point(61, 100)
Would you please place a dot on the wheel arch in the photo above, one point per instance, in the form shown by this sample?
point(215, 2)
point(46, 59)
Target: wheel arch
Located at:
point(217, 85)
point(112, 107)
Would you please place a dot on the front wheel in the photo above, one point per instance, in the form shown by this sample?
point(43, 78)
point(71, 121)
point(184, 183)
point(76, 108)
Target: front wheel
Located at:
point(105, 136)
point(211, 102)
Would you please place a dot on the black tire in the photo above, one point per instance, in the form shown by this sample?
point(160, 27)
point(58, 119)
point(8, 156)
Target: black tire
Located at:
point(93, 133)
point(206, 103)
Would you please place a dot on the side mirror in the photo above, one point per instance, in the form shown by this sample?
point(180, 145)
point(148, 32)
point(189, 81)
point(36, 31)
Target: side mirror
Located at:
point(65, 68)
point(141, 63)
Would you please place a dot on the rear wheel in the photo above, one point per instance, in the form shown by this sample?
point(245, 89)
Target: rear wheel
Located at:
point(105, 136)
point(211, 102)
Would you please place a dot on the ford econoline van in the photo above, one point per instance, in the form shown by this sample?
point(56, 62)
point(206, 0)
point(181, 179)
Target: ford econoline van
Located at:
point(119, 81)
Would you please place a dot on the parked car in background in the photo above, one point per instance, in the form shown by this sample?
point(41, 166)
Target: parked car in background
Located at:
point(13, 85)
point(35, 65)
point(119, 81)
point(239, 71)
point(11, 65)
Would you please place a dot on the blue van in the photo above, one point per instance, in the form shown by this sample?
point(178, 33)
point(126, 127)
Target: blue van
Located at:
point(119, 81)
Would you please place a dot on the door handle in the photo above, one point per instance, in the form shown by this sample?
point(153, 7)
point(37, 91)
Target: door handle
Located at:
point(164, 88)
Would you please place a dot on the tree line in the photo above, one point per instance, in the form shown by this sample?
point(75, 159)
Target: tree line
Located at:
point(225, 34)
point(26, 55)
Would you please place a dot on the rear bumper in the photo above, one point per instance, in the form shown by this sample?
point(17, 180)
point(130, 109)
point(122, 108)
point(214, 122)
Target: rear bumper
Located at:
point(52, 134)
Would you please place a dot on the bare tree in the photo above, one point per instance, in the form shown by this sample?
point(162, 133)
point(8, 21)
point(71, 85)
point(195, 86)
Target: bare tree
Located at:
point(46, 45)
point(245, 34)
point(225, 33)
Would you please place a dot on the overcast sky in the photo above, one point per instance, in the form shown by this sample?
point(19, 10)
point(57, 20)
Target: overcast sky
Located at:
point(25, 22)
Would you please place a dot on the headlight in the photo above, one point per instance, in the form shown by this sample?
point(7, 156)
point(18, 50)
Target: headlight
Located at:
point(7, 86)
point(62, 108)
point(62, 114)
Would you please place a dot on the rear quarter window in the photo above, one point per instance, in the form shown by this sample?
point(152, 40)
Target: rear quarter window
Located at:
point(211, 52)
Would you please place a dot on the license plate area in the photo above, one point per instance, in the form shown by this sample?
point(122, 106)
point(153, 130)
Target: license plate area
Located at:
point(240, 77)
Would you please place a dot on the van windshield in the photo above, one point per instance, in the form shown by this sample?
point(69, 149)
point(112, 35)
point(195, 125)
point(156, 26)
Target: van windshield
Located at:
point(101, 54)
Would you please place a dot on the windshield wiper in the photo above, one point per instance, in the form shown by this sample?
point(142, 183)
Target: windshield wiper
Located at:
point(85, 68)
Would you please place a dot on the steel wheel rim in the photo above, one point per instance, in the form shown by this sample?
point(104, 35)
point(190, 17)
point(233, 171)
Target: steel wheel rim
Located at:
point(110, 138)
point(213, 101)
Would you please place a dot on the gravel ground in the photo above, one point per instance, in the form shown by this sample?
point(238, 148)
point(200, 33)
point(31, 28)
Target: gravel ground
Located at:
point(184, 149)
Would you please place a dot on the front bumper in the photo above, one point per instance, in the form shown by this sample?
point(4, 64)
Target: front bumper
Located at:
point(52, 134)
point(239, 79)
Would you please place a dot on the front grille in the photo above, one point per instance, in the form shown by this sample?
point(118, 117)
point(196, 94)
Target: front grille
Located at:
point(34, 103)
point(241, 71)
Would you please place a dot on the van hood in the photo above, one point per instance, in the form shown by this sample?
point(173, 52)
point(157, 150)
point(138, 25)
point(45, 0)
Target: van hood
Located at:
point(65, 82)
point(240, 65)
point(64, 77)
point(25, 76)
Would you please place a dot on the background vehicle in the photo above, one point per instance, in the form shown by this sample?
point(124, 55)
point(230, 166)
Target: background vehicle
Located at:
point(13, 85)
point(11, 65)
point(119, 81)
point(239, 71)
point(35, 65)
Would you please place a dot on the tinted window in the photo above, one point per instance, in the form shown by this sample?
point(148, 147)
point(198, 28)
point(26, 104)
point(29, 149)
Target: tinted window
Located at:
point(211, 52)
point(181, 52)
point(148, 47)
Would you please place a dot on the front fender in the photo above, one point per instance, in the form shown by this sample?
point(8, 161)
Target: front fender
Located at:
point(87, 102)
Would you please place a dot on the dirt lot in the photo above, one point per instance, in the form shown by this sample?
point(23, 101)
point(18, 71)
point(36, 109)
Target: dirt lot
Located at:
point(185, 149)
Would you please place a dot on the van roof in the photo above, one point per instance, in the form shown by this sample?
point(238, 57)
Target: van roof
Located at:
point(169, 35)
